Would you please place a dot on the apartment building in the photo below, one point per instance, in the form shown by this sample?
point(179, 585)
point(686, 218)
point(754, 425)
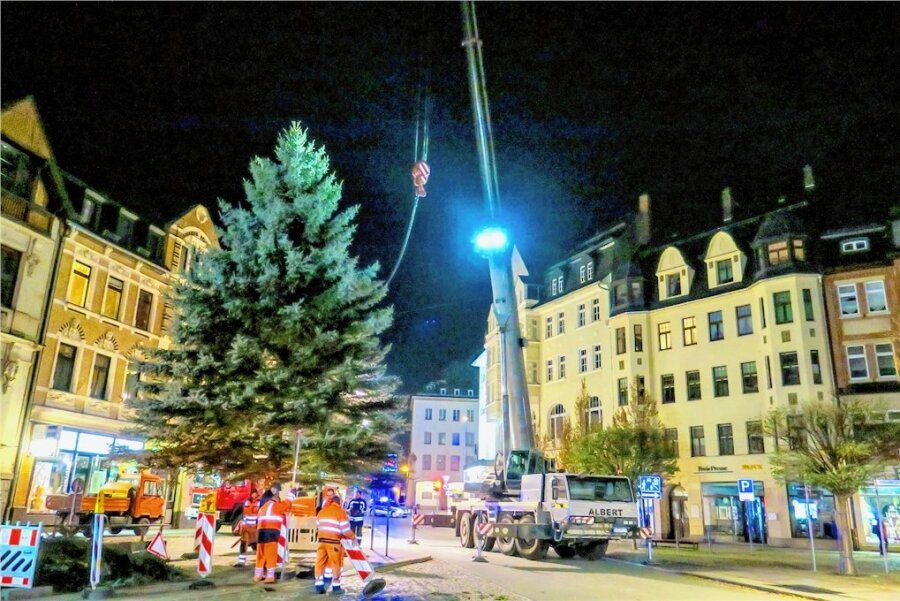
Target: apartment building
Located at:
point(108, 305)
point(718, 326)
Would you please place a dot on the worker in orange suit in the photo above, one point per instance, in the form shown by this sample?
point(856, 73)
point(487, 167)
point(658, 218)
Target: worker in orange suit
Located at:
point(272, 511)
point(333, 524)
point(247, 527)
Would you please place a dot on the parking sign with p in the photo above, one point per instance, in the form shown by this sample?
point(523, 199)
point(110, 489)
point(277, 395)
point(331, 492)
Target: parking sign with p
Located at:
point(745, 489)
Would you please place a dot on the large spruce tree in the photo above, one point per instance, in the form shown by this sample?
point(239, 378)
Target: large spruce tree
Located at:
point(277, 331)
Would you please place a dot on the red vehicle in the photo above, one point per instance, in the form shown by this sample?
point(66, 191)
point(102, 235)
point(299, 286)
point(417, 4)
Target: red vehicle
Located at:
point(230, 499)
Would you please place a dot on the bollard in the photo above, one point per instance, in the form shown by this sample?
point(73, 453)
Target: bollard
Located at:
point(417, 519)
point(483, 529)
point(387, 532)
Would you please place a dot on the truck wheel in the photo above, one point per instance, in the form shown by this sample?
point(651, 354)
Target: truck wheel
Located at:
point(594, 551)
point(115, 529)
point(531, 548)
point(505, 544)
point(466, 530)
point(565, 551)
point(141, 530)
point(489, 543)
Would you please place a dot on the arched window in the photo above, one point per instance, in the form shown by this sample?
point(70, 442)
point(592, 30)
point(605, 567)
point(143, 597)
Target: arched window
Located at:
point(594, 413)
point(557, 421)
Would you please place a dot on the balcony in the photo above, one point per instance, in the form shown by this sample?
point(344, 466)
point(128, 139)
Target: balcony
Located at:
point(27, 213)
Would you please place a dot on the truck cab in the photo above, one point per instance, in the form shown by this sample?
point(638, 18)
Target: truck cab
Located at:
point(588, 507)
point(132, 500)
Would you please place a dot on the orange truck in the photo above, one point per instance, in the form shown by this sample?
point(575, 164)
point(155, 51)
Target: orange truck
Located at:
point(130, 501)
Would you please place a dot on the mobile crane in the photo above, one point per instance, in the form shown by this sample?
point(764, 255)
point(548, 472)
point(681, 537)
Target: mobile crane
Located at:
point(530, 508)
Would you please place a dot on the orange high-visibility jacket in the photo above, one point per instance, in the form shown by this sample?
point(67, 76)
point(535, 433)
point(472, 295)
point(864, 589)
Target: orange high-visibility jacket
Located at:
point(271, 515)
point(333, 524)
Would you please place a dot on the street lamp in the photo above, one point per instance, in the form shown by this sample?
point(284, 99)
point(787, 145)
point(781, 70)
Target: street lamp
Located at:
point(491, 239)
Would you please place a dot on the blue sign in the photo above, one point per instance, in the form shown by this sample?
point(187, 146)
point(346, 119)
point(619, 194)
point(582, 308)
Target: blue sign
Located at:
point(745, 489)
point(650, 487)
point(390, 463)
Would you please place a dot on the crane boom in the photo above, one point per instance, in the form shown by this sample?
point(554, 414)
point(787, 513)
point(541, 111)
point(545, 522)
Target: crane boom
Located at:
point(518, 432)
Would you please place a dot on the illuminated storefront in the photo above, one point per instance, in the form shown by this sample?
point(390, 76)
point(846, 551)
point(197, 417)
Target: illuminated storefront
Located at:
point(728, 515)
point(820, 512)
point(883, 502)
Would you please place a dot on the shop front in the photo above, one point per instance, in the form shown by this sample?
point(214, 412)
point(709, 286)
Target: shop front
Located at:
point(818, 514)
point(879, 505)
point(727, 517)
point(64, 461)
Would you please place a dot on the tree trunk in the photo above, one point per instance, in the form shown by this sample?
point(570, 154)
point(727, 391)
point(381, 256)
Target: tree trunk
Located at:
point(846, 563)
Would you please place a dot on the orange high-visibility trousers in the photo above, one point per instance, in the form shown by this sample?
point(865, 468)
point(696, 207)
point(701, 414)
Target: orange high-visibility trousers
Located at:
point(266, 555)
point(329, 555)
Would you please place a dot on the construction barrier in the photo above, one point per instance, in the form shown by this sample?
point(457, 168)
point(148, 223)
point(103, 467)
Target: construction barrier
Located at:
point(301, 533)
point(207, 526)
point(371, 585)
point(99, 523)
point(282, 549)
point(19, 547)
point(485, 529)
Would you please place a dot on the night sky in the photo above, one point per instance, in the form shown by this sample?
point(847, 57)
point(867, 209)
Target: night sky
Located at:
point(162, 106)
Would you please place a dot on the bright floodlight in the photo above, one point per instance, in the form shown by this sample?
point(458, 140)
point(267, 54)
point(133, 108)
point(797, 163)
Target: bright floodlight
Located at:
point(491, 239)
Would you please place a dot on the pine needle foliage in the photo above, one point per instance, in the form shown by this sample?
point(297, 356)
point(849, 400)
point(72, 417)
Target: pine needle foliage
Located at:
point(276, 331)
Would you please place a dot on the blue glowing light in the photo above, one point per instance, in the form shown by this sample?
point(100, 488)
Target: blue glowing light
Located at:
point(491, 239)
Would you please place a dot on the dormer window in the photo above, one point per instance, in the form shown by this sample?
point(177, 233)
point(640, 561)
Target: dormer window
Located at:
point(553, 287)
point(673, 285)
point(621, 294)
point(724, 273)
point(590, 271)
point(854, 246)
point(778, 253)
point(559, 284)
point(799, 251)
point(583, 274)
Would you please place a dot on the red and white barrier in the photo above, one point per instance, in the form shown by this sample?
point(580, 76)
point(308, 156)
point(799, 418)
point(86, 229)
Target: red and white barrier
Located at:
point(206, 525)
point(371, 585)
point(19, 546)
point(418, 519)
point(282, 549)
point(485, 529)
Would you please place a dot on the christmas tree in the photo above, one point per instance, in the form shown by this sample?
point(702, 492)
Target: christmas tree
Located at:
point(277, 331)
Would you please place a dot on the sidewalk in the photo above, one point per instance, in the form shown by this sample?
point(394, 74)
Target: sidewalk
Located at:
point(776, 570)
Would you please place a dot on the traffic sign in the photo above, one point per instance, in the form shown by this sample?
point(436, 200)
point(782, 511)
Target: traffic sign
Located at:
point(650, 487)
point(745, 489)
point(158, 546)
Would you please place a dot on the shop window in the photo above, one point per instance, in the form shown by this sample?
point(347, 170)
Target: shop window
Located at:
point(693, 385)
point(783, 311)
point(65, 367)
point(818, 515)
point(10, 274)
point(78, 288)
point(744, 320)
point(881, 508)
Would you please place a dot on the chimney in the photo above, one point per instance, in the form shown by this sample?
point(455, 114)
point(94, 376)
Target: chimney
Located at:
point(643, 219)
point(727, 206)
point(809, 182)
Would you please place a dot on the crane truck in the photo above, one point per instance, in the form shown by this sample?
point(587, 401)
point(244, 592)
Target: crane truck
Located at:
point(530, 507)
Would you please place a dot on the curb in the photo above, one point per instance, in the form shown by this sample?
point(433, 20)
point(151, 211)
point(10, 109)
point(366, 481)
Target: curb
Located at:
point(765, 588)
point(387, 567)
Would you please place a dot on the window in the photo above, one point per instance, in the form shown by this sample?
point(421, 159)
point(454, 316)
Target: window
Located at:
point(668, 388)
point(428, 414)
point(441, 462)
point(623, 391)
point(595, 309)
point(816, 366)
point(847, 300)
point(581, 316)
point(749, 381)
point(590, 271)
point(533, 372)
point(856, 361)
point(65, 367)
point(744, 320)
point(620, 292)
point(768, 373)
point(783, 311)
point(562, 367)
point(553, 290)
point(557, 422)
point(454, 463)
point(716, 326)
point(875, 298)
point(790, 369)
point(756, 444)
point(455, 415)
point(597, 358)
point(454, 440)
point(853, 246)
point(778, 253)
point(620, 341)
point(550, 370)
point(443, 392)
point(673, 285)
point(470, 415)
point(672, 440)
point(726, 439)
point(638, 338)
point(594, 413)
point(130, 389)
point(442, 438)
point(689, 330)
point(582, 274)
point(582, 361)
point(10, 274)
point(559, 284)
point(639, 387)
point(665, 335)
point(561, 323)
point(723, 271)
point(470, 439)
point(442, 415)
point(796, 436)
point(698, 442)
point(427, 437)
point(693, 385)
point(808, 305)
point(799, 251)
point(426, 462)
point(81, 278)
point(548, 330)
point(456, 392)
point(884, 358)
point(720, 381)
point(142, 315)
point(762, 313)
point(100, 376)
point(113, 298)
